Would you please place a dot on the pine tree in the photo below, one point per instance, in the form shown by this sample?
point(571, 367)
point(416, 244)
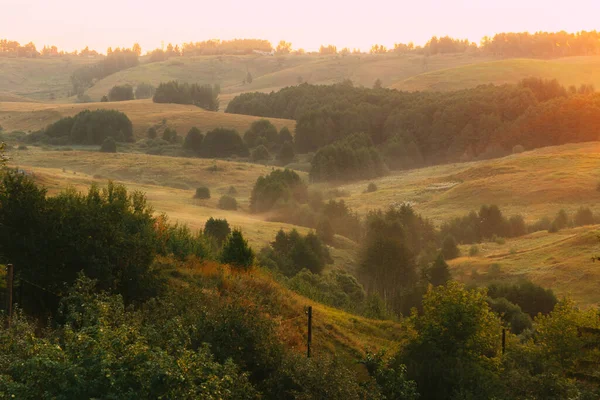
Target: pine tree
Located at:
point(236, 251)
point(439, 273)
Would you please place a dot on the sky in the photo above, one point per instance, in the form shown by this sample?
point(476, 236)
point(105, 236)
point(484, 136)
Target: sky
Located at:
point(74, 24)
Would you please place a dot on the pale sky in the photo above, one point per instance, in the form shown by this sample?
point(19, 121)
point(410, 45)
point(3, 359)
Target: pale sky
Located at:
point(73, 24)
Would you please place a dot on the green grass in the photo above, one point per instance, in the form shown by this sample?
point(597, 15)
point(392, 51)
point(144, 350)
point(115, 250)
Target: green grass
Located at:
point(568, 71)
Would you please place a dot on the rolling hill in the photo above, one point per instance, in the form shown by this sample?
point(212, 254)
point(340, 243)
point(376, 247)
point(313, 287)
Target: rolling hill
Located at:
point(568, 71)
point(143, 114)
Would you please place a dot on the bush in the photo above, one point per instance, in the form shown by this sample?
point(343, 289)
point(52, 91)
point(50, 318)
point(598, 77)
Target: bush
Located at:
point(286, 154)
point(261, 153)
point(104, 99)
point(170, 135)
point(450, 249)
point(517, 149)
point(280, 186)
point(108, 146)
point(22, 147)
point(583, 216)
point(217, 228)
point(474, 250)
point(261, 132)
point(236, 251)
point(221, 142)
point(202, 193)
point(92, 127)
point(144, 91)
point(228, 203)
point(232, 191)
point(193, 140)
point(121, 93)
point(151, 133)
point(372, 187)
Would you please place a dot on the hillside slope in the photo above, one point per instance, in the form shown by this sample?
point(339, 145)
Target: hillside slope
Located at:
point(568, 71)
point(143, 114)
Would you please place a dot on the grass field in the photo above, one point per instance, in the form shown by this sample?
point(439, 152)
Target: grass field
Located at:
point(568, 71)
point(143, 114)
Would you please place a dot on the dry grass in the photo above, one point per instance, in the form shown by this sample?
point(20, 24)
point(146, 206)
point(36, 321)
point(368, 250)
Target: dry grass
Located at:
point(568, 71)
point(143, 114)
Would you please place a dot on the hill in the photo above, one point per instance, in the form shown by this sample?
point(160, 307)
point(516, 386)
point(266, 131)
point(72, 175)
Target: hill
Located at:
point(39, 78)
point(143, 114)
point(568, 71)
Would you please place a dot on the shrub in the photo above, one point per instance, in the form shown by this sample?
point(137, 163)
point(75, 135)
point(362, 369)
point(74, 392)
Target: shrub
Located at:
point(232, 191)
point(144, 91)
point(286, 154)
point(450, 249)
point(236, 251)
point(202, 193)
point(121, 93)
point(517, 149)
point(260, 153)
point(193, 140)
point(22, 147)
point(474, 250)
point(151, 133)
point(583, 216)
point(221, 142)
point(104, 99)
point(217, 228)
point(285, 136)
point(228, 203)
point(170, 135)
point(109, 146)
point(261, 132)
point(279, 186)
point(372, 187)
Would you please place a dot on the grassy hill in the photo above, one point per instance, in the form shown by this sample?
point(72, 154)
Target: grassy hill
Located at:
point(535, 184)
point(568, 71)
point(39, 78)
point(143, 114)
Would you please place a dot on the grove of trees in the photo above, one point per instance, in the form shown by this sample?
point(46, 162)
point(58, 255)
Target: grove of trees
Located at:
point(203, 96)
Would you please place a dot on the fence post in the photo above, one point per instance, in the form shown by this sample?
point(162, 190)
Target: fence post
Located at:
point(9, 291)
point(309, 338)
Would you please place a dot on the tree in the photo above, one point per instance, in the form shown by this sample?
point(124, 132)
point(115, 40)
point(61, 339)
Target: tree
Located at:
point(218, 229)
point(202, 193)
point(193, 140)
point(151, 133)
point(260, 153)
point(285, 136)
point(249, 77)
point(377, 84)
point(137, 49)
point(439, 273)
point(236, 251)
point(170, 135)
point(325, 230)
point(144, 91)
point(121, 93)
point(280, 186)
point(456, 350)
point(104, 99)
point(222, 142)
point(108, 146)
point(261, 132)
point(286, 154)
point(283, 48)
point(449, 248)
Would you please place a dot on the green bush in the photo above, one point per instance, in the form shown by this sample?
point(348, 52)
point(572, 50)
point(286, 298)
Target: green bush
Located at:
point(91, 127)
point(204, 96)
point(261, 153)
point(108, 146)
point(218, 229)
point(261, 132)
point(202, 193)
point(121, 93)
point(193, 140)
point(474, 250)
point(236, 251)
point(286, 154)
point(228, 203)
point(280, 186)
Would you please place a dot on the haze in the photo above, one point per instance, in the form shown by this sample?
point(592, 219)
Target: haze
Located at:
point(70, 25)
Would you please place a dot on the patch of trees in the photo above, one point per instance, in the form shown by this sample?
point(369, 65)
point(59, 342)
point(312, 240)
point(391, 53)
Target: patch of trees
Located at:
point(222, 142)
point(543, 44)
point(280, 187)
point(234, 46)
point(351, 158)
point(415, 129)
point(12, 48)
point(87, 127)
point(115, 60)
point(144, 91)
point(203, 96)
point(291, 252)
point(121, 93)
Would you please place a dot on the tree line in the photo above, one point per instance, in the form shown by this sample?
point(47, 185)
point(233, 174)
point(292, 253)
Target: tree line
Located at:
point(424, 128)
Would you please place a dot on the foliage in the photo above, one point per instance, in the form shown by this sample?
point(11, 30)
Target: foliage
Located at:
point(280, 186)
point(121, 93)
point(204, 96)
point(217, 228)
point(439, 273)
point(511, 314)
point(351, 158)
point(532, 299)
point(236, 251)
point(170, 135)
point(372, 187)
point(144, 91)
point(261, 132)
point(392, 381)
point(583, 216)
point(109, 234)
point(109, 145)
point(119, 59)
point(89, 127)
point(193, 140)
point(227, 202)
point(455, 352)
point(222, 142)
point(449, 248)
point(286, 154)
point(202, 193)
point(291, 252)
point(260, 153)
point(285, 136)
